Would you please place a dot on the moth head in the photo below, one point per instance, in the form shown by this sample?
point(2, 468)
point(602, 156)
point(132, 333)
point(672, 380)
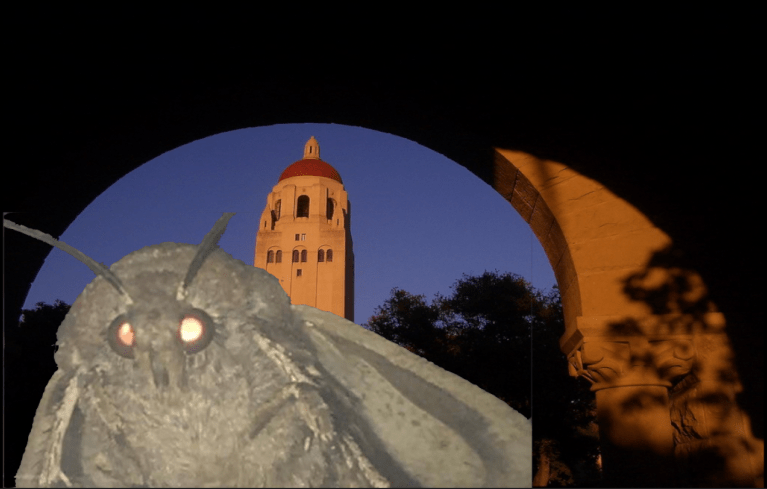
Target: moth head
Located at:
point(143, 307)
point(164, 313)
point(155, 341)
point(168, 312)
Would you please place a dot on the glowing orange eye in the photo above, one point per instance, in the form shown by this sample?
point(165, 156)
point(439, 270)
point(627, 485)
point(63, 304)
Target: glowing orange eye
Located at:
point(122, 336)
point(125, 334)
point(190, 329)
point(195, 330)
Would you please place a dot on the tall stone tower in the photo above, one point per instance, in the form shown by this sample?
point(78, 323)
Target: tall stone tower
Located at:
point(304, 236)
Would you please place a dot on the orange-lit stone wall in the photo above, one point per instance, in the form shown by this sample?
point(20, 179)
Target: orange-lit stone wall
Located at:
point(640, 329)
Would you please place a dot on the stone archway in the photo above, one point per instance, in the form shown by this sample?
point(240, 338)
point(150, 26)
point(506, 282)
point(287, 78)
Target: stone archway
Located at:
point(640, 329)
point(126, 122)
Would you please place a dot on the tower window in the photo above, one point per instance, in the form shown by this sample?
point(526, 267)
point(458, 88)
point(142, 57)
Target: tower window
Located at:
point(303, 237)
point(277, 209)
point(303, 255)
point(278, 257)
point(295, 256)
point(270, 256)
point(298, 272)
point(297, 235)
point(329, 255)
point(302, 208)
point(331, 206)
point(321, 255)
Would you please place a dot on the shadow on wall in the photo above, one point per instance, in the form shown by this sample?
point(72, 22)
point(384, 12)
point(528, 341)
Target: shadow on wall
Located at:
point(677, 378)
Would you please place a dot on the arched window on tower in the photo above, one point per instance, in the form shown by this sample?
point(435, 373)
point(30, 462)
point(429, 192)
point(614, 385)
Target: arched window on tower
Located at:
point(329, 255)
point(321, 256)
point(295, 256)
point(270, 256)
point(303, 255)
point(302, 207)
point(330, 209)
point(278, 257)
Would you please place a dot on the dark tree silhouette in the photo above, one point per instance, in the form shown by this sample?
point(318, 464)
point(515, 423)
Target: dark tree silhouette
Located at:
point(565, 433)
point(475, 333)
point(498, 332)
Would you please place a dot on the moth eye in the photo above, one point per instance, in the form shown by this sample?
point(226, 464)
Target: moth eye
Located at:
point(125, 334)
point(195, 330)
point(190, 329)
point(122, 337)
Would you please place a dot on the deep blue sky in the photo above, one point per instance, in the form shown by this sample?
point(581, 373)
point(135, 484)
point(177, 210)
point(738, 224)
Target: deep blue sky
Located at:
point(419, 220)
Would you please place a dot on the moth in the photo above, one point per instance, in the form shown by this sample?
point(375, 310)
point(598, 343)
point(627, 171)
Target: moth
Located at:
point(182, 366)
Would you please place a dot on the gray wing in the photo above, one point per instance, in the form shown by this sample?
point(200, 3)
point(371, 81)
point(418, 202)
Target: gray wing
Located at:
point(438, 428)
point(41, 463)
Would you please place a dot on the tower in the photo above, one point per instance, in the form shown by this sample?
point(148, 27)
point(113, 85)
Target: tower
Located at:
point(304, 237)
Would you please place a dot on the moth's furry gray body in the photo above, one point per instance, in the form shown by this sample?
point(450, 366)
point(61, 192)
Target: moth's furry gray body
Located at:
point(282, 396)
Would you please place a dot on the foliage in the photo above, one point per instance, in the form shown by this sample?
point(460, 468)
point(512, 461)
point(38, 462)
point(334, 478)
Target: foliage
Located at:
point(564, 427)
point(477, 333)
point(500, 333)
point(35, 338)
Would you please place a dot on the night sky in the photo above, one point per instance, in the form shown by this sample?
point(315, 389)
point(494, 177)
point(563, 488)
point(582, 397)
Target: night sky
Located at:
point(419, 220)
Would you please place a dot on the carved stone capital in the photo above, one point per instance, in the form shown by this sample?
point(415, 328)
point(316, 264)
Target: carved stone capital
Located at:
point(631, 361)
point(612, 351)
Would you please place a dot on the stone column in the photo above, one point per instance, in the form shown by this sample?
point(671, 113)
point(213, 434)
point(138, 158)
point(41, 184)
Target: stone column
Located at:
point(714, 445)
point(631, 374)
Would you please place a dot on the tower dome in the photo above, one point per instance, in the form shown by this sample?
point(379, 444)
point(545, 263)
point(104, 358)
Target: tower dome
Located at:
point(311, 164)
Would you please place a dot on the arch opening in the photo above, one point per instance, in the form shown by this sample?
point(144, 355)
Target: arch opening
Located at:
point(302, 206)
point(605, 293)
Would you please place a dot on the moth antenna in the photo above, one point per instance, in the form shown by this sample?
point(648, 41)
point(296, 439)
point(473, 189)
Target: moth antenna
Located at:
point(95, 266)
point(206, 247)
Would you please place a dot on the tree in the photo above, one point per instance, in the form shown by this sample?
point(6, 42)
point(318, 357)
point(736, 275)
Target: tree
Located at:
point(477, 333)
point(565, 433)
point(500, 333)
point(33, 340)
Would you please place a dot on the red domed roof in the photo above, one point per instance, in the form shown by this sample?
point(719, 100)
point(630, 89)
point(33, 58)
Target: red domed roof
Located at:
point(311, 167)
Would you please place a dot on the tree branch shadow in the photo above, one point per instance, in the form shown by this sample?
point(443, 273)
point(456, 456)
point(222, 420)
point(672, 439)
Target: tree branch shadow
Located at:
point(686, 344)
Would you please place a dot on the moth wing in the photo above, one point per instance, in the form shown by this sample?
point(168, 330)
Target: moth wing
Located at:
point(39, 467)
point(441, 429)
